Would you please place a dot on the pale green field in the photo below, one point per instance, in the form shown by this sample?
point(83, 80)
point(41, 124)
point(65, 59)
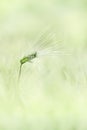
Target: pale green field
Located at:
point(52, 91)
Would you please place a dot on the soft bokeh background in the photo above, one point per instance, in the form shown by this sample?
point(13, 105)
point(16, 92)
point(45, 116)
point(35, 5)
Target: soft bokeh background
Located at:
point(52, 92)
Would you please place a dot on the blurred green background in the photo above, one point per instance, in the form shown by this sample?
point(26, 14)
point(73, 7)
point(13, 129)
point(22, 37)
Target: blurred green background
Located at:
point(52, 92)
